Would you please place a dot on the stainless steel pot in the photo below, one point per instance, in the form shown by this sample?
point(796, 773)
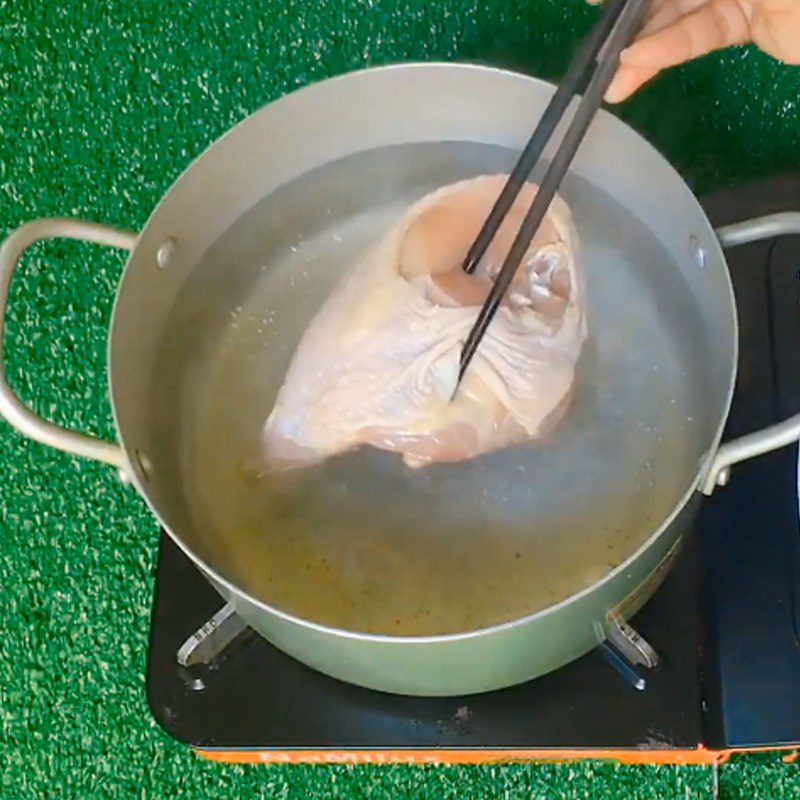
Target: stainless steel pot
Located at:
point(180, 291)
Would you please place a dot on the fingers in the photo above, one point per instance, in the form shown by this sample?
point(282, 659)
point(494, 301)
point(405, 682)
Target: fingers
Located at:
point(708, 26)
point(775, 27)
point(718, 23)
point(627, 80)
point(666, 12)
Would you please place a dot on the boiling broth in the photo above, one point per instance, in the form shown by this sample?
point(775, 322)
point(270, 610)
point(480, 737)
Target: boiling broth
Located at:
point(364, 543)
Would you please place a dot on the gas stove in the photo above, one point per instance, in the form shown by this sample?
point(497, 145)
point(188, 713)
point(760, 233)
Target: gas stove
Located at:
point(723, 673)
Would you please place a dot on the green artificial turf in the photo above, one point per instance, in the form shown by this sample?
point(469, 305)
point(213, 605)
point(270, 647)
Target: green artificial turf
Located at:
point(102, 104)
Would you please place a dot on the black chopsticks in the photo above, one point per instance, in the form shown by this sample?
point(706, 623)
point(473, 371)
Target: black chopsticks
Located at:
point(618, 22)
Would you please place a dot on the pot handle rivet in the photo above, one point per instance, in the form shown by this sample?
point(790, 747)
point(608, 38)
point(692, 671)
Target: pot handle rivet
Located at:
point(697, 253)
point(166, 253)
point(143, 463)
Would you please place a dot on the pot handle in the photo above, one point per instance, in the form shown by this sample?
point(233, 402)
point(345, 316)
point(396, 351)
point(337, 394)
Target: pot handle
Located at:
point(15, 412)
point(782, 433)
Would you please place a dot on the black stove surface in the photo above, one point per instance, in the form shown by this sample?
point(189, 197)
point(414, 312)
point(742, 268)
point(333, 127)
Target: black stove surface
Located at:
point(732, 597)
point(750, 534)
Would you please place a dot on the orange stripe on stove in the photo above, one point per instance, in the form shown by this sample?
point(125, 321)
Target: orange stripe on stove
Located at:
point(699, 755)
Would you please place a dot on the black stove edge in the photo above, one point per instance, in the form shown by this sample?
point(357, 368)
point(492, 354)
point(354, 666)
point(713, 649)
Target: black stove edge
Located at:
point(749, 531)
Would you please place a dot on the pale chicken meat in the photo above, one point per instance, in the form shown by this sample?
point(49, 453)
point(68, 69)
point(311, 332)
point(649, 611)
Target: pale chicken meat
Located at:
point(379, 362)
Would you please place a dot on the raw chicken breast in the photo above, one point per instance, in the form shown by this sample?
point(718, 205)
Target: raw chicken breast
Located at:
point(378, 364)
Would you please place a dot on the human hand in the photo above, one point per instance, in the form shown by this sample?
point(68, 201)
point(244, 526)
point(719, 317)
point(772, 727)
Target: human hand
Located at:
point(680, 30)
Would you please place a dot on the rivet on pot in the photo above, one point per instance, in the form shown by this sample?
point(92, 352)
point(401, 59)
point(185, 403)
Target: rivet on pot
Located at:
point(724, 476)
point(143, 463)
point(166, 253)
point(696, 252)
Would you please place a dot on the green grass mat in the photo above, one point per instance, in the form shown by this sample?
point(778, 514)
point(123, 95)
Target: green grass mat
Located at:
point(102, 104)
